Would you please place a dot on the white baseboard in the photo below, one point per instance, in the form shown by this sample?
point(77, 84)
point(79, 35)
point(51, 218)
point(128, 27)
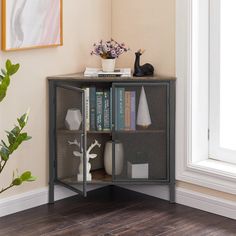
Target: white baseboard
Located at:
point(31, 199)
point(192, 199)
point(186, 197)
point(206, 202)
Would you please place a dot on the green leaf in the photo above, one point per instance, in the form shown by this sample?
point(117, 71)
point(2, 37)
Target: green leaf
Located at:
point(4, 144)
point(8, 65)
point(24, 118)
point(31, 179)
point(17, 182)
point(15, 131)
point(13, 69)
point(5, 79)
point(4, 153)
point(26, 176)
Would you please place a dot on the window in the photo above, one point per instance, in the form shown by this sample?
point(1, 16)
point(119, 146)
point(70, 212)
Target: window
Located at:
point(213, 51)
point(197, 96)
point(222, 115)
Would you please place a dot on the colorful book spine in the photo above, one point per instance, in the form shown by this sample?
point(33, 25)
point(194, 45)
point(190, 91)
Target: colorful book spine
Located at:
point(99, 110)
point(127, 111)
point(132, 110)
point(120, 109)
point(87, 109)
point(106, 110)
point(92, 101)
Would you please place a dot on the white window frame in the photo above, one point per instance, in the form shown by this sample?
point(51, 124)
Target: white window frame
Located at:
point(193, 167)
point(215, 151)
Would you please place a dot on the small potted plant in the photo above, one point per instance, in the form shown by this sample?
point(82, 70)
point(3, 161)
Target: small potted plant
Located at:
point(109, 51)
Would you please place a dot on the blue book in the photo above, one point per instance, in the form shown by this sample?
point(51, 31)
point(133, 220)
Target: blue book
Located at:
point(120, 108)
point(106, 110)
point(92, 105)
point(132, 110)
point(99, 110)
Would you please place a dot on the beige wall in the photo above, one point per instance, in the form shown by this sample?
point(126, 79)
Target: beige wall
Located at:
point(84, 22)
point(139, 23)
point(149, 25)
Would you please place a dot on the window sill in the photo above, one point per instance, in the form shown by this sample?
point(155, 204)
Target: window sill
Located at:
point(215, 167)
point(209, 173)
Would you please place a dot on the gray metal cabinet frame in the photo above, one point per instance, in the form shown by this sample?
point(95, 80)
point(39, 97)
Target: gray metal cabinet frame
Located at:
point(54, 82)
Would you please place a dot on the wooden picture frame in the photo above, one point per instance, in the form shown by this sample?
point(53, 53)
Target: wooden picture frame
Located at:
point(28, 24)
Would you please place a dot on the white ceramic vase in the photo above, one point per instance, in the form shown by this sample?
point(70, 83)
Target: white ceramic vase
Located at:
point(108, 65)
point(119, 157)
point(73, 119)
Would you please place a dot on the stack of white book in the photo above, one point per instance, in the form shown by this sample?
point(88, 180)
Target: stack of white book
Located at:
point(96, 72)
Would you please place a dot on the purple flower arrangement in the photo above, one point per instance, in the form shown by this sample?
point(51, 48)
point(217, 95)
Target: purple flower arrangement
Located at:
point(109, 49)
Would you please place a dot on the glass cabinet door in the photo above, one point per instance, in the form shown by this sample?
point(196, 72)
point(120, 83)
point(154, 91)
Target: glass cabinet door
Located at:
point(140, 132)
point(71, 146)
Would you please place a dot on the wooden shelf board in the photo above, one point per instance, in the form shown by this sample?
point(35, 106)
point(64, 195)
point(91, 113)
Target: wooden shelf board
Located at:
point(98, 177)
point(64, 131)
point(139, 131)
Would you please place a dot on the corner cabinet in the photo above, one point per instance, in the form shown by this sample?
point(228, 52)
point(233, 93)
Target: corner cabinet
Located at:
point(128, 123)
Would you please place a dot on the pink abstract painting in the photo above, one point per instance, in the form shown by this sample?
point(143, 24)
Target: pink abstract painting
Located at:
point(31, 23)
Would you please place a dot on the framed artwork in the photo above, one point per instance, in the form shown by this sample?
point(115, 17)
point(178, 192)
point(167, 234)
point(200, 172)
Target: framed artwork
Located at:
point(30, 24)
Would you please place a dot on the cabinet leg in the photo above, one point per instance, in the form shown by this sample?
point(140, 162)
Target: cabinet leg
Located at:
point(172, 192)
point(51, 193)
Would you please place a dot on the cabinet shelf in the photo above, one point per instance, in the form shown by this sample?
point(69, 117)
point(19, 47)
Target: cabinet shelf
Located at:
point(98, 177)
point(64, 131)
point(140, 131)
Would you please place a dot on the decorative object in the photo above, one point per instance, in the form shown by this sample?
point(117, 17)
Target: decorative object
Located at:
point(144, 70)
point(119, 157)
point(16, 136)
point(143, 116)
point(73, 119)
point(31, 24)
point(89, 156)
point(108, 65)
point(109, 51)
point(137, 170)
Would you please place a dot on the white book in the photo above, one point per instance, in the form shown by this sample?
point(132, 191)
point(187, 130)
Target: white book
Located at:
point(96, 72)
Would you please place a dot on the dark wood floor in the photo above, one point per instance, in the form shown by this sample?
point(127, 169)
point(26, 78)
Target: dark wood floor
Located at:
point(124, 214)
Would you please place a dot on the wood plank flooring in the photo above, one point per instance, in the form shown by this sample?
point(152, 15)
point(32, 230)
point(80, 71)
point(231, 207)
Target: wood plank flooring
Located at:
point(124, 214)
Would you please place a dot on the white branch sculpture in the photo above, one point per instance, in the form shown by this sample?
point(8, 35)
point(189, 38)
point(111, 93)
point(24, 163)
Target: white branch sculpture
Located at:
point(88, 157)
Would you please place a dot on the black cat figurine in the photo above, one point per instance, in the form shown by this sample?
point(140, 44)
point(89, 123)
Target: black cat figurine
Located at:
point(144, 70)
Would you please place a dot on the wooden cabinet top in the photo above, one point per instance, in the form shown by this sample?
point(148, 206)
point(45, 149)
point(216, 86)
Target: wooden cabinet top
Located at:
point(81, 77)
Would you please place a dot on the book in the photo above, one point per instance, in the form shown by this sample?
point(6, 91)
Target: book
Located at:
point(99, 110)
point(106, 110)
point(127, 110)
point(87, 109)
point(120, 109)
point(96, 72)
point(92, 106)
point(111, 105)
point(132, 110)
